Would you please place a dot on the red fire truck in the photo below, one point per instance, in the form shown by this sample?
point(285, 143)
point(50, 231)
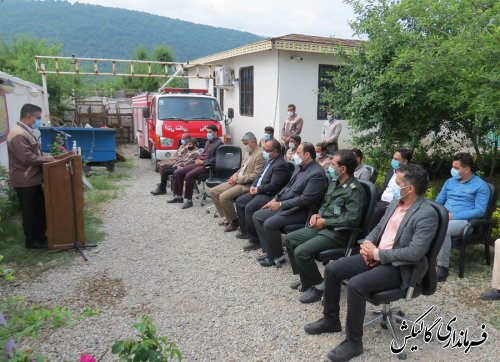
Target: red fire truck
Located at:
point(160, 119)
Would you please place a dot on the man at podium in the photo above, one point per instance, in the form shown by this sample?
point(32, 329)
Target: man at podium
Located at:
point(25, 170)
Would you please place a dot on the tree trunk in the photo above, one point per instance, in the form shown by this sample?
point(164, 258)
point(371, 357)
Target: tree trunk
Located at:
point(494, 158)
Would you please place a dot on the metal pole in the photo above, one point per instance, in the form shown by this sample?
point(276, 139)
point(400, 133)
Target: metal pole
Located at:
point(45, 93)
point(172, 77)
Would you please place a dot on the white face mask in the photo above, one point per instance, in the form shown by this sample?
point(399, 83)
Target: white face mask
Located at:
point(247, 148)
point(290, 114)
point(297, 160)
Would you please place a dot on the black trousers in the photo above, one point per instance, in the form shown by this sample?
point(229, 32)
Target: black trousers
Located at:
point(33, 214)
point(268, 225)
point(362, 281)
point(165, 172)
point(246, 206)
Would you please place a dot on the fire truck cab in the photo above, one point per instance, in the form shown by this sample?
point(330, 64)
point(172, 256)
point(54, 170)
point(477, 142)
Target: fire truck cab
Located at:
point(160, 119)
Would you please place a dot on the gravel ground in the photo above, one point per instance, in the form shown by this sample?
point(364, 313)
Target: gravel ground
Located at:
point(205, 293)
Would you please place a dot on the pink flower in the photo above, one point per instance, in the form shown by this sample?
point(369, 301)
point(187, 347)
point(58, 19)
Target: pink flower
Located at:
point(87, 358)
point(63, 149)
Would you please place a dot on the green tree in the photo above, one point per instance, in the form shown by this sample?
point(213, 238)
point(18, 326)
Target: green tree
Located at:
point(17, 58)
point(429, 69)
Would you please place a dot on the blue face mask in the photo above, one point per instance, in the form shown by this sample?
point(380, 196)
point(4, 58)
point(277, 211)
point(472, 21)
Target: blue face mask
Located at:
point(38, 123)
point(183, 141)
point(329, 117)
point(210, 136)
point(396, 192)
point(395, 164)
point(455, 174)
point(292, 145)
point(267, 136)
point(333, 173)
point(266, 155)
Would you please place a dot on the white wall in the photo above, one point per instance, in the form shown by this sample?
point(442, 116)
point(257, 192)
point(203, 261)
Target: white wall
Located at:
point(278, 81)
point(14, 103)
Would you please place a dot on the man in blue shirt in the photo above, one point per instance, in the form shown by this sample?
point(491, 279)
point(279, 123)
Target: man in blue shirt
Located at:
point(465, 196)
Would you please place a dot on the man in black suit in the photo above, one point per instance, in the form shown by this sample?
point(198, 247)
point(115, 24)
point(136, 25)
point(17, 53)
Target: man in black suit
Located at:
point(292, 205)
point(273, 178)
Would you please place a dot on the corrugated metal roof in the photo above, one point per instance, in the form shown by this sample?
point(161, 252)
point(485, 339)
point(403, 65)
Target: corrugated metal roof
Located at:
point(319, 40)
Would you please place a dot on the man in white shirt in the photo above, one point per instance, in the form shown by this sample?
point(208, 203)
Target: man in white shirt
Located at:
point(330, 132)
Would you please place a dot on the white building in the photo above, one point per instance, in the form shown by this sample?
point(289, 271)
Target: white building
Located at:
point(259, 80)
point(10, 107)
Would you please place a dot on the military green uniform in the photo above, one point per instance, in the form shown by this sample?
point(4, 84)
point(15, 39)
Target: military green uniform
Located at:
point(342, 206)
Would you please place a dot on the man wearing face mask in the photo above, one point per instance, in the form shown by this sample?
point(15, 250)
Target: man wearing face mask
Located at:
point(292, 125)
point(239, 183)
point(322, 155)
point(401, 157)
point(291, 205)
point(191, 172)
point(465, 196)
point(26, 176)
point(342, 206)
point(273, 178)
point(330, 132)
point(187, 153)
point(292, 147)
point(268, 135)
point(403, 234)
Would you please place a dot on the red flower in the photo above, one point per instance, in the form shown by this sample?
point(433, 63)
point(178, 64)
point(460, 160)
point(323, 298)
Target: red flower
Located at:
point(87, 358)
point(63, 149)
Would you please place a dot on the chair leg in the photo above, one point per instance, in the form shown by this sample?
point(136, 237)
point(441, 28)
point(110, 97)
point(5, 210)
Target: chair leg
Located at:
point(461, 268)
point(390, 325)
point(487, 251)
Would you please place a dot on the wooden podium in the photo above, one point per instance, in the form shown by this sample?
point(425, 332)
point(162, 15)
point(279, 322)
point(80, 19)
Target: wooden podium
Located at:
point(63, 189)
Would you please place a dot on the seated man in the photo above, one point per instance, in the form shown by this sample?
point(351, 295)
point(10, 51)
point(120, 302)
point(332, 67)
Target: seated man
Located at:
point(401, 157)
point(292, 205)
point(191, 172)
point(239, 183)
point(404, 234)
point(273, 178)
point(342, 206)
point(187, 153)
point(322, 155)
point(361, 172)
point(293, 146)
point(494, 293)
point(466, 197)
point(268, 135)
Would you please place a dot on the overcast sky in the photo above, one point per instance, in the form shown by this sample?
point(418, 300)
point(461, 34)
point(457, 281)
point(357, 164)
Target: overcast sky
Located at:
point(268, 18)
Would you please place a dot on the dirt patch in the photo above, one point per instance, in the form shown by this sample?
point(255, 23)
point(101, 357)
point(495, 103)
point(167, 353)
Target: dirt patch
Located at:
point(98, 291)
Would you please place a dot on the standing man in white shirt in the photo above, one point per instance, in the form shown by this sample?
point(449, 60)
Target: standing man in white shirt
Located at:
point(293, 125)
point(331, 132)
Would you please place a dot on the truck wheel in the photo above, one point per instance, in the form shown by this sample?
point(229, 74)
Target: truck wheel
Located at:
point(154, 161)
point(143, 153)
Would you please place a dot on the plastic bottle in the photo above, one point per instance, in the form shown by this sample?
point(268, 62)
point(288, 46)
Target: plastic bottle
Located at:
point(75, 150)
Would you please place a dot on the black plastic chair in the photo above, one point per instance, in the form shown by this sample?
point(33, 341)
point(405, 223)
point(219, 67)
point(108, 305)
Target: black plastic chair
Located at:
point(355, 232)
point(416, 287)
point(477, 231)
point(227, 162)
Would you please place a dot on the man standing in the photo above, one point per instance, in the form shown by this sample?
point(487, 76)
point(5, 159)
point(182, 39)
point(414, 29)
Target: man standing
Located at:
point(239, 183)
point(404, 234)
point(292, 205)
point(273, 178)
point(191, 172)
point(465, 196)
point(342, 206)
point(26, 176)
point(331, 132)
point(293, 124)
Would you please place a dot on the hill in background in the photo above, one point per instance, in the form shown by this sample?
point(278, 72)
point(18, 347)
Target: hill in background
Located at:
point(97, 31)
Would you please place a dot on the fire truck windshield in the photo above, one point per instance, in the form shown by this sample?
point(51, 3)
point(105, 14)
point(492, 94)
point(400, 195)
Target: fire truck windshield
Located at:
point(188, 108)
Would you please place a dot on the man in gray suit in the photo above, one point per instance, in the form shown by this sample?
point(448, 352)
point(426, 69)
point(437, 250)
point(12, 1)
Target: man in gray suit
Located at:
point(404, 234)
point(292, 204)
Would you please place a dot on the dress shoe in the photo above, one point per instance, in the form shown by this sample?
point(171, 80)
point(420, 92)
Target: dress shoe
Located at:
point(158, 192)
point(296, 285)
point(493, 294)
point(240, 235)
point(251, 246)
point(187, 205)
point(345, 351)
point(321, 326)
point(261, 257)
point(266, 262)
point(175, 200)
point(442, 273)
point(223, 223)
point(311, 295)
point(232, 226)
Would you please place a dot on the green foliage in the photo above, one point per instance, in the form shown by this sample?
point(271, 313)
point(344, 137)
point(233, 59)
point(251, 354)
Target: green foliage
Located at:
point(96, 31)
point(495, 233)
point(57, 147)
point(6, 273)
point(8, 198)
point(149, 346)
point(426, 75)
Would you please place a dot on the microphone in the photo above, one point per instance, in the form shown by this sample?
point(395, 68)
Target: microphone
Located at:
point(63, 133)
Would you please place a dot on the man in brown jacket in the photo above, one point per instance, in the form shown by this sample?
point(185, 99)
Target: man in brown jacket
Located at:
point(25, 170)
point(239, 183)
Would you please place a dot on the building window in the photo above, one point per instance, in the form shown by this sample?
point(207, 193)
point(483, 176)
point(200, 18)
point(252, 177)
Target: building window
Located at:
point(246, 91)
point(221, 99)
point(324, 82)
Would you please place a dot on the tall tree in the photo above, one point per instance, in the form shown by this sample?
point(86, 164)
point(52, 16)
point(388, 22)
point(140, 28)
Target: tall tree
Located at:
point(428, 70)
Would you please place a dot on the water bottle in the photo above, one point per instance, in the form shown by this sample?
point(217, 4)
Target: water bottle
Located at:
point(75, 150)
